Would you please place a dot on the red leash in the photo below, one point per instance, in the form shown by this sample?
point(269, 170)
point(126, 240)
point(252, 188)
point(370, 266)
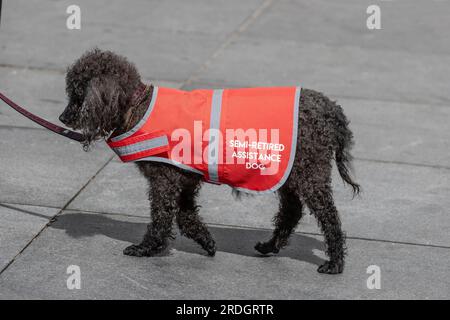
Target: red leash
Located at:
point(53, 127)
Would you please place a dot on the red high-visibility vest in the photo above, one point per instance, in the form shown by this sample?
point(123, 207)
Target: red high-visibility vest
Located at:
point(245, 138)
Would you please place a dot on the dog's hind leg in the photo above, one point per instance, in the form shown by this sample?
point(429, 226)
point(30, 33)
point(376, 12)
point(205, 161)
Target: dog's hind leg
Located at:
point(290, 213)
point(189, 221)
point(320, 202)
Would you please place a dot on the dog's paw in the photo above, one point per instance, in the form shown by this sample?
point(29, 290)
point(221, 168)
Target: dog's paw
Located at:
point(139, 251)
point(331, 267)
point(266, 247)
point(210, 248)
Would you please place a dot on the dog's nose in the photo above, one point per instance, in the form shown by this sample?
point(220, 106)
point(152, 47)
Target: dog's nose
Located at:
point(63, 118)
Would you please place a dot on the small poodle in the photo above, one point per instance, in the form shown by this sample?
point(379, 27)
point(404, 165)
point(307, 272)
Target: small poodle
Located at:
point(107, 98)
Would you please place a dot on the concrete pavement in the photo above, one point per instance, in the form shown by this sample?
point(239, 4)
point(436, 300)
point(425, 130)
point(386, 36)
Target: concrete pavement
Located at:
point(392, 84)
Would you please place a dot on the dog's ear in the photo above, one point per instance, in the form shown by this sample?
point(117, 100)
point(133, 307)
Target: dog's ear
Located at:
point(101, 108)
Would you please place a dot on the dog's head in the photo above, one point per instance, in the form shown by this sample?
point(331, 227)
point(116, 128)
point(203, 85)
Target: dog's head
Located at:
point(99, 86)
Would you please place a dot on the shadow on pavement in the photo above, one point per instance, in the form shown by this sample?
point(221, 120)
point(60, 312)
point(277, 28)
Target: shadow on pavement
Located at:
point(231, 240)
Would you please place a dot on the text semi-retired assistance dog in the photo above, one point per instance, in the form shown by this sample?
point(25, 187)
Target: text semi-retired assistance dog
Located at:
point(108, 100)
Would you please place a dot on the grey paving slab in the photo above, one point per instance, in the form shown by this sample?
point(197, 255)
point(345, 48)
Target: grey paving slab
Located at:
point(19, 224)
point(413, 133)
point(94, 243)
point(153, 35)
point(399, 202)
point(42, 93)
point(215, 18)
point(350, 71)
point(174, 57)
point(41, 168)
point(122, 187)
point(419, 26)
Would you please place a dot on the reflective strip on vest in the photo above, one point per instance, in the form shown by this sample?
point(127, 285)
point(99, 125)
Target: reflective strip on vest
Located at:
point(214, 134)
point(134, 148)
point(146, 145)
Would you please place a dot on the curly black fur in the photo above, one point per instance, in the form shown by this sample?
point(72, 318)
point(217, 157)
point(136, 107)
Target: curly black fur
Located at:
point(100, 85)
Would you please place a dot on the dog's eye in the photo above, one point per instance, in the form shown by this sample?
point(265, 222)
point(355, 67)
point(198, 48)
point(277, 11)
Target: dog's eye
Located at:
point(79, 91)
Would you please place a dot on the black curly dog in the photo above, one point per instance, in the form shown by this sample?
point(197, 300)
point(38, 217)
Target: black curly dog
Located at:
point(101, 86)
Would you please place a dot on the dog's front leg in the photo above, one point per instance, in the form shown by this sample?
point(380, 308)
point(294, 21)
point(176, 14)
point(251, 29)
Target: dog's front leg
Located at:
point(188, 219)
point(164, 198)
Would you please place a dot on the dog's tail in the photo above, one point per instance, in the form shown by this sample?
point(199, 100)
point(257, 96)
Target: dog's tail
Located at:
point(344, 143)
